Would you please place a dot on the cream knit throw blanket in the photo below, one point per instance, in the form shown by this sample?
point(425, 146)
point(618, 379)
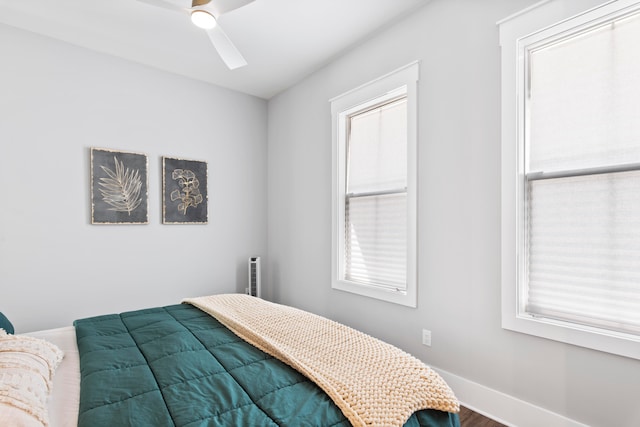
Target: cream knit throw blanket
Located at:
point(372, 382)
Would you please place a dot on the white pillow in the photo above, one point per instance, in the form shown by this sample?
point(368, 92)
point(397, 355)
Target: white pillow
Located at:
point(27, 366)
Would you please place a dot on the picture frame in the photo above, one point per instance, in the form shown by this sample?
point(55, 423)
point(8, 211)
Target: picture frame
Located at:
point(119, 187)
point(184, 191)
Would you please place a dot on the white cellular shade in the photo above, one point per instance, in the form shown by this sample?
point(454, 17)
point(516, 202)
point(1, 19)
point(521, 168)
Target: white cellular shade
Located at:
point(376, 199)
point(376, 240)
point(584, 250)
point(378, 149)
point(583, 226)
point(584, 105)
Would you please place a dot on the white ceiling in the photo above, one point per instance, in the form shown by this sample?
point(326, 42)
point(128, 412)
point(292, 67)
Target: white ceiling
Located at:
point(282, 40)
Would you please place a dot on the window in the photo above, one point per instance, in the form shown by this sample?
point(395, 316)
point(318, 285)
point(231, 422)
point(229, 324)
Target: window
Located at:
point(571, 181)
point(374, 188)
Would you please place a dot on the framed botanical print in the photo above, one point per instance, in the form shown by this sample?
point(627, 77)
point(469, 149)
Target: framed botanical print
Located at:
point(184, 191)
point(119, 187)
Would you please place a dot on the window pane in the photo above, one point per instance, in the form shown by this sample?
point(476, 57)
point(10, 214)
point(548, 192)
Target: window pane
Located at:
point(584, 250)
point(378, 149)
point(585, 99)
point(376, 240)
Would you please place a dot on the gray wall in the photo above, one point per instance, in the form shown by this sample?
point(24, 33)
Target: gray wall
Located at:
point(56, 101)
point(459, 218)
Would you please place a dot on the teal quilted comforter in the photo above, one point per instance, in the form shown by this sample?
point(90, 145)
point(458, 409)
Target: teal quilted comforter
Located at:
point(178, 366)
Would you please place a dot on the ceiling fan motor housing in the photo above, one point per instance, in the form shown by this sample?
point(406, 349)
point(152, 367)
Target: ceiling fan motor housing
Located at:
point(196, 3)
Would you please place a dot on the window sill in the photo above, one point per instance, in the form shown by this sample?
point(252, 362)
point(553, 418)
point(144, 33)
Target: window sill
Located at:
point(397, 297)
point(584, 336)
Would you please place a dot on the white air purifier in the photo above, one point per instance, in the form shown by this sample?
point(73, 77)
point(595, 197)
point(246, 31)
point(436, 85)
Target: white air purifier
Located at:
point(254, 277)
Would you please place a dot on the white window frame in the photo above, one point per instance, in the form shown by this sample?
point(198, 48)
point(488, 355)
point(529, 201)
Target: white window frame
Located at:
point(539, 22)
point(388, 87)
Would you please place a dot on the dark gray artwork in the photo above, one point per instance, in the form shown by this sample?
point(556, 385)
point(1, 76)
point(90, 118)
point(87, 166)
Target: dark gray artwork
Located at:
point(118, 187)
point(184, 191)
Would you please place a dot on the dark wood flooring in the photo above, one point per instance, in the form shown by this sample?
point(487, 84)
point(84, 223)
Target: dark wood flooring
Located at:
point(468, 418)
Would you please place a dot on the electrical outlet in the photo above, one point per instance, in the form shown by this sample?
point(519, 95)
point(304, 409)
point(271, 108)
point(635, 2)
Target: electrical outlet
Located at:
point(426, 337)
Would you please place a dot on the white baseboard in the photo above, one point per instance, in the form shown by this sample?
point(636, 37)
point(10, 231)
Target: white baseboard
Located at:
point(501, 407)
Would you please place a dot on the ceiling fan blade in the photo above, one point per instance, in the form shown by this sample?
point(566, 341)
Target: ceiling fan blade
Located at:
point(218, 7)
point(226, 49)
point(169, 4)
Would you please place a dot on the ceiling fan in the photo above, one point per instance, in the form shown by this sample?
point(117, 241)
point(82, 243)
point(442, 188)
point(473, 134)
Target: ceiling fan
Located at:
point(204, 14)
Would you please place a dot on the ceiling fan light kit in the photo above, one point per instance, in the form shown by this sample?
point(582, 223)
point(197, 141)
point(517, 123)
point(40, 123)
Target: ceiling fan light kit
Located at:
point(203, 19)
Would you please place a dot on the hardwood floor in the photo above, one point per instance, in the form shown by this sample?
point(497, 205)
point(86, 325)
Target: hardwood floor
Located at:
point(468, 418)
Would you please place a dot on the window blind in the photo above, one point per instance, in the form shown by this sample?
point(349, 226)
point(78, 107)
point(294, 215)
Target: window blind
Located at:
point(376, 199)
point(583, 222)
point(584, 250)
point(376, 240)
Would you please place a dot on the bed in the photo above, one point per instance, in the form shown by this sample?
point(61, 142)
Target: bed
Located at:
point(234, 360)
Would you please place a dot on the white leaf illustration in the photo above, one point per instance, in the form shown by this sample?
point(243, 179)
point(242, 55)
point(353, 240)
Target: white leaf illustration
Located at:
point(121, 188)
point(189, 195)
